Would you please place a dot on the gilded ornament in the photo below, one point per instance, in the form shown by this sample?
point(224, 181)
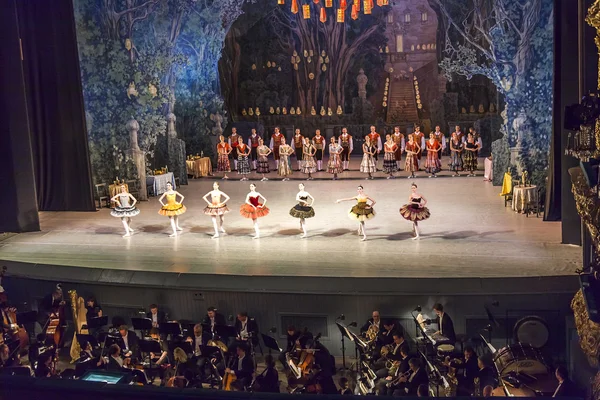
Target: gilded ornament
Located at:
point(323, 67)
point(131, 91)
point(128, 44)
point(152, 90)
point(292, 111)
point(298, 111)
point(279, 69)
point(253, 67)
point(309, 59)
point(269, 64)
point(311, 76)
point(384, 104)
point(277, 110)
point(329, 112)
point(284, 111)
point(339, 110)
point(250, 111)
point(305, 53)
point(257, 112)
point(272, 110)
point(322, 112)
point(244, 113)
point(313, 111)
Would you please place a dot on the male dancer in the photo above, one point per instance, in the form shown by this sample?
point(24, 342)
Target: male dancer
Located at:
point(347, 144)
point(459, 134)
point(439, 136)
point(233, 142)
point(400, 142)
point(419, 138)
point(274, 145)
point(298, 141)
point(319, 143)
point(253, 144)
point(375, 141)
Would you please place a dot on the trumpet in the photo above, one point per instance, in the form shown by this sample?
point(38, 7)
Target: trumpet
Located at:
point(398, 378)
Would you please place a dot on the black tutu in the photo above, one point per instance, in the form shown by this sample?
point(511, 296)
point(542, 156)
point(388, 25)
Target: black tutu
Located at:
point(412, 212)
point(121, 212)
point(302, 211)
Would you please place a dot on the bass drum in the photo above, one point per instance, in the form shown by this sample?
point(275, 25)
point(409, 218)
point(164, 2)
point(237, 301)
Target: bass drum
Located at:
point(519, 358)
point(532, 330)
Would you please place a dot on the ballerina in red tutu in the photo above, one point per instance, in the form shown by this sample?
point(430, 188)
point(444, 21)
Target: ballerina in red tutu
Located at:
point(415, 210)
point(254, 209)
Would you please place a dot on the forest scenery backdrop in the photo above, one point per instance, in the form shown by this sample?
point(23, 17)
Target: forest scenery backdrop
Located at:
point(162, 72)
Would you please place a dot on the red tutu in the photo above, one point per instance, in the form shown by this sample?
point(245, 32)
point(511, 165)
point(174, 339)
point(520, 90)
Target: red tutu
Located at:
point(412, 212)
point(248, 211)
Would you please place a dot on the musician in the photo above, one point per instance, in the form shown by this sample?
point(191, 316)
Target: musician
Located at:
point(423, 390)
point(344, 387)
point(53, 301)
point(487, 391)
point(374, 320)
point(322, 357)
point(417, 377)
point(268, 380)
point(198, 359)
point(128, 342)
point(115, 361)
point(446, 326)
point(386, 335)
point(44, 369)
point(566, 387)
point(486, 374)
point(213, 318)
point(246, 328)
point(88, 354)
point(242, 367)
point(393, 355)
point(292, 336)
point(6, 322)
point(320, 381)
point(157, 317)
point(5, 360)
point(467, 371)
point(159, 359)
point(94, 310)
point(391, 382)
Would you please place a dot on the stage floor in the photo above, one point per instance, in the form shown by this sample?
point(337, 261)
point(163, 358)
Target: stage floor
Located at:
point(470, 235)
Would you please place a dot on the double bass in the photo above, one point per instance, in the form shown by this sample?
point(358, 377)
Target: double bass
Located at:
point(56, 321)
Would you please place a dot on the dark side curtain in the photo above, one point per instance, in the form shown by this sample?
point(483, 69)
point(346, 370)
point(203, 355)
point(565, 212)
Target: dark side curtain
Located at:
point(55, 105)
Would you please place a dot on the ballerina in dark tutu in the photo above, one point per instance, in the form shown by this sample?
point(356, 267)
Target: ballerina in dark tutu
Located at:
point(303, 209)
point(361, 211)
point(415, 210)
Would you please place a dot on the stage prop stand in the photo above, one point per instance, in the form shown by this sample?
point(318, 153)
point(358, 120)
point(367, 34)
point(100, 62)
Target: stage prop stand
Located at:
point(176, 151)
point(138, 157)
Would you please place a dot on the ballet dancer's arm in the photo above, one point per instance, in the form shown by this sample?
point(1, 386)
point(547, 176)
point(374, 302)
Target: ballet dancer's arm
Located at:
point(248, 201)
point(423, 202)
point(160, 200)
point(116, 199)
point(264, 200)
point(298, 197)
point(372, 201)
point(205, 198)
point(132, 198)
point(312, 199)
point(226, 198)
point(348, 199)
point(180, 195)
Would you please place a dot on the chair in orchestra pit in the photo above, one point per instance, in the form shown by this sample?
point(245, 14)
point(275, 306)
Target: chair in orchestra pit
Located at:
point(134, 188)
point(101, 192)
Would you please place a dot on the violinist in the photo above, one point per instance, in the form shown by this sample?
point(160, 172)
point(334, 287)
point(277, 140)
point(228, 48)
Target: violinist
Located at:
point(198, 360)
point(242, 368)
point(292, 337)
point(213, 318)
point(44, 368)
point(157, 317)
point(128, 342)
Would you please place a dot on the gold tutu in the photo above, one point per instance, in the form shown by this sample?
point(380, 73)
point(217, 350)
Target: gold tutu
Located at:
point(171, 210)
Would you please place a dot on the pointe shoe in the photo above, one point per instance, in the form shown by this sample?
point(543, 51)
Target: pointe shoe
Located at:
point(131, 230)
point(173, 235)
point(256, 237)
point(223, 230)
point(127, 235)
point(179, 229)
point(303, 236)
point(364, 238)
point(215, 236)
point(416, 237)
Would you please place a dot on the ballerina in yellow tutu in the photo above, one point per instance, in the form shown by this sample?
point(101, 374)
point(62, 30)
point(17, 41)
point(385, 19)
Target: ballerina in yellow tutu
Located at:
point(361, 211)
point(173, 209)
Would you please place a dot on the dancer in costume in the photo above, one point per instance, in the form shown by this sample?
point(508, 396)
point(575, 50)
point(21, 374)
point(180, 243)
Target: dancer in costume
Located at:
point(419, 138)
point(412, 150)
point(439, 136)
point(456, 158)
point(216, 208)
point(400, 144)
point(254, 209)
point(234, 142)
point(263, 159)
point(432, 163)
point(375, 142)
point(334, 166)
point(367, 166)
point(459, 134)
point(223, 150)
point(285, 164)
point(304, 208)
point(415, 210)
point(298, 143)
point(319, 143)
point(345, 140)
point(243, 151)
point(173, 209)
point(124, 209)
point(390, 149)
point(309, 166)
point(274, 145)
point(253, 144)
point(362, 211)
point(471, 148)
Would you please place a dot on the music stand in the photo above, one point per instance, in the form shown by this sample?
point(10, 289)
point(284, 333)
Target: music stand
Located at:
point(97, 322)
point(169, 328)
point(345, 333)
point(15, 371)
point(358, 350)
point(150, 346)
point(225, 331)
point(205, 351)
point(271, 343)
point(87, 338)
point(28, 318)
point(141, 324)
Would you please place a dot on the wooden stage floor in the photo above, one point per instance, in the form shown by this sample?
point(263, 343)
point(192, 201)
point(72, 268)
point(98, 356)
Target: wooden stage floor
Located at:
point(469, 235)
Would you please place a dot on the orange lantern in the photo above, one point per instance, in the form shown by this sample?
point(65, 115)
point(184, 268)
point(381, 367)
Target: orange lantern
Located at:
point(280, 2)
point(316, 1)
point(380, 3)
point(385, 2)
point(343, 4)
point(340, 15)
point(306, 11)
point(328, 3)
point(295, 6)
point(368, 4)
point(354, 14)
point(323, 17)
point(357, 5)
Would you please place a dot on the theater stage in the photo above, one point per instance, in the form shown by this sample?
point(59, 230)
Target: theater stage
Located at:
point(471, 238)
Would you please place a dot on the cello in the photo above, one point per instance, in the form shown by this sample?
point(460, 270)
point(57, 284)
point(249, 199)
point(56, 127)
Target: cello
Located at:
point(9, 316)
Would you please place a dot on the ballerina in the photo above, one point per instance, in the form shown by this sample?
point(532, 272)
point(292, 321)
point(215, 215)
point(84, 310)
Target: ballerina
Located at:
point(412, 150)
point(253, 209)
point(173, 209)
point(361, 211)
point(223, 150)
point(243, 165)
point(456, 149)
point(216, 208)
point(263, 159)
point(368, 162)
point(415, 210)
point(124, 210)
point(432, 162)
point(390, 149)
point(303, 209)
point(284, 168)
point(334, 166)
point(309, 166)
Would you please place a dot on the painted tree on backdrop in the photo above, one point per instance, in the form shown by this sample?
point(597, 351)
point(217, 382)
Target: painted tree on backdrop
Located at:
point(340, 42)
point(511, 43)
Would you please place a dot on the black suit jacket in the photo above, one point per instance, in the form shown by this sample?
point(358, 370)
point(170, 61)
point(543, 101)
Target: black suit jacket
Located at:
point(219, 320)
point(487, 376)
point(394, 354)
point(203, 340)
point(160, 317)
point(113, 365)
point(419, 379)
point(245, 373)
point(251, 327)
point(447, 328)
point(369, 322)
point(133, 342)
point(568, 389)
point(469, 370)
point(291, 341)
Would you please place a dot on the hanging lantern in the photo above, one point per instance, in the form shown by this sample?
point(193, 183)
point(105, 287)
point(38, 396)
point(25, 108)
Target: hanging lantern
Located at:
point(322, 112)
point(294, 6)
point(277, 110)
point(380, 3)
point(250, 111)
point(368, 6)
point(313, 111)
point(329, 112)
point(316, 1)
point(339, 110)
point(280, 2)
point(323, 17)
point(244, 113)
point(257, 112)
point(306, 11)
point(340, 15)
point(298, 111)
point(354, 14)
point(328, 3)
point(343, 4)
point(284, 111)
point(272, 110)
point(292, 111)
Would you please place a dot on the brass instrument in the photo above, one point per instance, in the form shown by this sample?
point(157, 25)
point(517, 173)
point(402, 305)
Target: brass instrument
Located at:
point(392, 367)
point(386, 349)
point(79, 319)
point(217, 343)
point(372, 332)
point(397, 379)
point(477, 387)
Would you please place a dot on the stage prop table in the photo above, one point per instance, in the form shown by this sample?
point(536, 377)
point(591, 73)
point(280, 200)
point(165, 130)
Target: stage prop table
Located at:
point(200, 167)
point(158, 183)
point(114, 189)
point(523, 196)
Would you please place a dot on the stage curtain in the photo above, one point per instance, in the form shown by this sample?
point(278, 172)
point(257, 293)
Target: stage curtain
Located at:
point(55, 105)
